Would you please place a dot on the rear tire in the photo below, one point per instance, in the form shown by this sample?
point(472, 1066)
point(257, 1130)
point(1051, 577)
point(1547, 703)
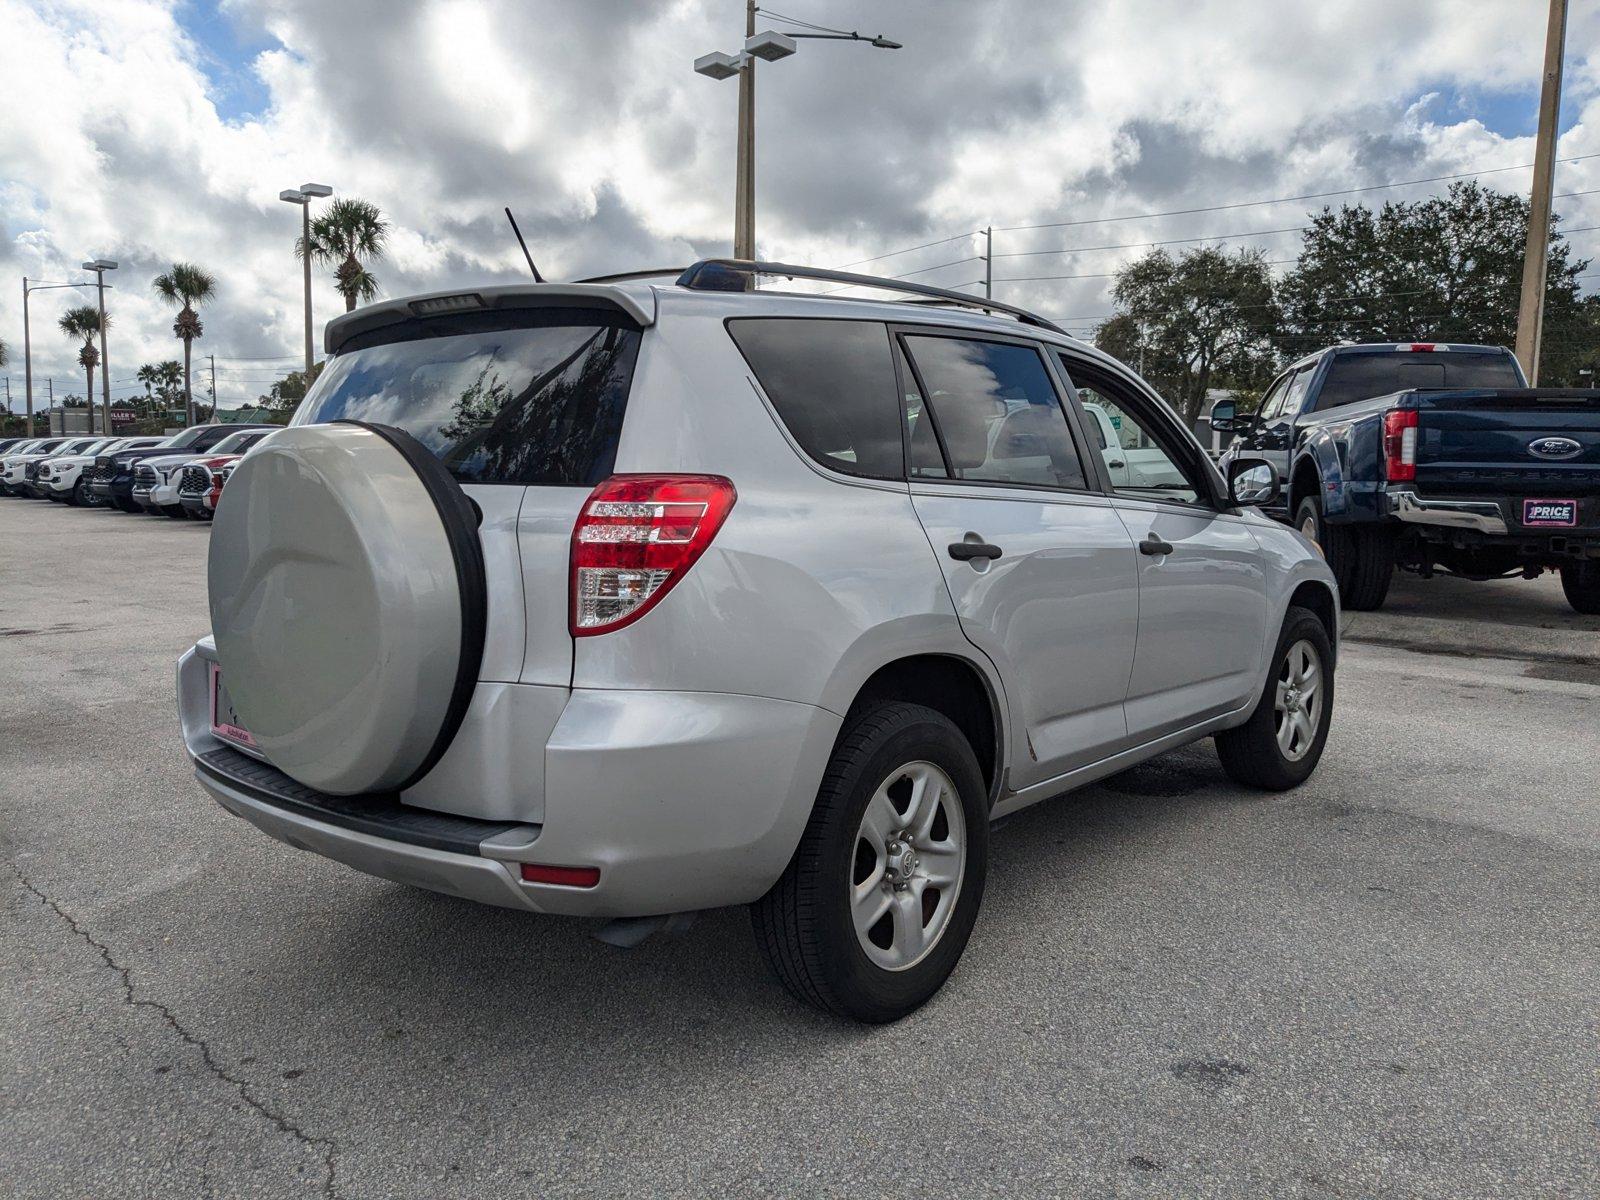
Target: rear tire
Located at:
point(1581, 583)
point(893, 763)
point(1281, 744)
point(1361, 559)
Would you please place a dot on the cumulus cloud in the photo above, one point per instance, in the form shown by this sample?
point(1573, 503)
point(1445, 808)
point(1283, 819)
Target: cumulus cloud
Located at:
point(586, 119)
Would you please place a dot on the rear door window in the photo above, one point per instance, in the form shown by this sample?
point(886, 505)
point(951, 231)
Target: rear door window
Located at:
point(833, 384)
point(997, 412)
point(509, 396)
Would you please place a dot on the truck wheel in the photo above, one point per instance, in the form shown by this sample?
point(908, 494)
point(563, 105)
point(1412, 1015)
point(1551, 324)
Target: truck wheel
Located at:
point(1281, 743)
point(1581, 583)
point(877, 904)
point(1362, 560)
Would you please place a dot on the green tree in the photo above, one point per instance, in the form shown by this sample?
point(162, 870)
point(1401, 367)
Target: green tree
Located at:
point(187, 285)
point(1445, 269)
point(1194, 322)
point(348, 232)
point(83, 322)
point(285, 395)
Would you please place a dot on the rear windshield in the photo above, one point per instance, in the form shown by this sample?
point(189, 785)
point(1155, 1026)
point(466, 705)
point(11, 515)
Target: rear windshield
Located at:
point(524, 397)
point(1353, 377)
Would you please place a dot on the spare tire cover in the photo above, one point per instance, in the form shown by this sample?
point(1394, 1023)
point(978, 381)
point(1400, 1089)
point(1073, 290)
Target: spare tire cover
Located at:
point(347, 602)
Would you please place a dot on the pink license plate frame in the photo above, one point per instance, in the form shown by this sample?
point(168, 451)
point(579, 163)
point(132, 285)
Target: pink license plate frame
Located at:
point(226, 725)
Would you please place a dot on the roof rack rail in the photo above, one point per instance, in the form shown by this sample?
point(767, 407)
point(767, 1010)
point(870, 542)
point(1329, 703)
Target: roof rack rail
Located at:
point(713, 274)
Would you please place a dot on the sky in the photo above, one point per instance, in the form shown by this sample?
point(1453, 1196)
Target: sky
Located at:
point(149, 131)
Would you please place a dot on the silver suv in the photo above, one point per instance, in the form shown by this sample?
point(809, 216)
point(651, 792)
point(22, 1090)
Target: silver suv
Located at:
point(625, 599)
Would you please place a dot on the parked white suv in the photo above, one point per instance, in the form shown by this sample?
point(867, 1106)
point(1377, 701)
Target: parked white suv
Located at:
point(626, 599)
point(61, 478)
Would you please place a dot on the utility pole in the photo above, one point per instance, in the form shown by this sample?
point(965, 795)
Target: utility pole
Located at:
point(988, 262)
point(213, 358)
point(51, 384)
point(1530, 313)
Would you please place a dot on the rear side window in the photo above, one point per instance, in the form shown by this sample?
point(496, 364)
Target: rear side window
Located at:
point(833, 385)
point(1353, 377)
point(510, 396)
point(998, 415)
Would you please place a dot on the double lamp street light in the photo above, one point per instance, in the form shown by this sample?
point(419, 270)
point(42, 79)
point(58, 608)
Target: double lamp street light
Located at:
point(771, 46)
point(99, 266)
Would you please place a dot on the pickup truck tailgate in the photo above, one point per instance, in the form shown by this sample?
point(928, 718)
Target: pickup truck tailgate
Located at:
point(1543, 442)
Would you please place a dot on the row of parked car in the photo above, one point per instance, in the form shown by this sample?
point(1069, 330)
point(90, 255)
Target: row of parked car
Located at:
point(178, 476)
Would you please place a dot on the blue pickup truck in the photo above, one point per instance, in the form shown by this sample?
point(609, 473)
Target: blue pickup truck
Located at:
point(1431, 458)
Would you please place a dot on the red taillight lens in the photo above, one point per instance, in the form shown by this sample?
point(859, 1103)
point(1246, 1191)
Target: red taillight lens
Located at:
point(635, 538)
point(1400, 444)
point(582, 877)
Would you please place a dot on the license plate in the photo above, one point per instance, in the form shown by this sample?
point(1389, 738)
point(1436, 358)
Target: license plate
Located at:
point(1556, 513)
point(224, 721)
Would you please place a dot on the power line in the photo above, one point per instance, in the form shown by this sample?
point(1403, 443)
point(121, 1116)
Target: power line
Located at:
point(1371, 187)
point(1214, 237)
point(891, 254)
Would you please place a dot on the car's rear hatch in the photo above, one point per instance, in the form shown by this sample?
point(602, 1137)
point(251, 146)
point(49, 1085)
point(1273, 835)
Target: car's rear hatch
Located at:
point(521, 393)
point(1528, 446)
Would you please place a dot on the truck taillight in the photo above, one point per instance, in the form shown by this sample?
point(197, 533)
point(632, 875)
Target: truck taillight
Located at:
point(1400, 444)
point(636, 537)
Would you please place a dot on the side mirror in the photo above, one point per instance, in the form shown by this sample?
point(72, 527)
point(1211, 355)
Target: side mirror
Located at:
point(1223, 418)
point(1253, 481)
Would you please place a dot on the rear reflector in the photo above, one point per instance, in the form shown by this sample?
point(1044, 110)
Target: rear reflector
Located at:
point(581, 877)
point(635, 538)
point(1400, 444)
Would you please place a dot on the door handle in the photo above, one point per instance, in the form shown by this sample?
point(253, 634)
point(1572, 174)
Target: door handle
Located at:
point(1154, 545)
point(967, 551)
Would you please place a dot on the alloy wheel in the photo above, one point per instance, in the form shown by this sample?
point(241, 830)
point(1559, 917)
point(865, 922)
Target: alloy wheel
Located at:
point(1298, 703)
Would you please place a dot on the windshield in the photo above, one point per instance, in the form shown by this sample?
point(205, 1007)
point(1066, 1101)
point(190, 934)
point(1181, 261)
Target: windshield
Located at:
point(1353, 377)
point(238, 443)
point(524, 397)
point(182, 441)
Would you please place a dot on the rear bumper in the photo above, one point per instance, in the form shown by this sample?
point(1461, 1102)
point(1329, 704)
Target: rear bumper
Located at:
point(1474, 522)
point(683, 800)
point(1482, 516)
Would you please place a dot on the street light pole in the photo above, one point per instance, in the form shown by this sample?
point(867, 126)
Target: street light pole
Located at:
point(27, 342)
point(100, 266)
point(771, 46)
point(1530, 313)
point(303, 195)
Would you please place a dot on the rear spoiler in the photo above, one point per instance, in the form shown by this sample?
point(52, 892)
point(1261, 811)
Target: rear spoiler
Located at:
point(637, 304)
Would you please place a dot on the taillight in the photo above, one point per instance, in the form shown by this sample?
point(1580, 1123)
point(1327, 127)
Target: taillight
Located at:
point(635, 538)
point(1400, 444)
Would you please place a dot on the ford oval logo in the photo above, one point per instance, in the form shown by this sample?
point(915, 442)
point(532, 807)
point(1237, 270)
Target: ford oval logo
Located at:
point(1555, 447)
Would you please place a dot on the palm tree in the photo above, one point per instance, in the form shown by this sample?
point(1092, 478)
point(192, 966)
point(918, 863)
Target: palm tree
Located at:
point(84, 322)
point(149, 375)
point(346, 232)
point(188, 285)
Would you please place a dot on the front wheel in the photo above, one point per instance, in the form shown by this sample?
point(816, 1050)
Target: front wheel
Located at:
point(1281, 743)
point(1581, 583)
point(876, 906)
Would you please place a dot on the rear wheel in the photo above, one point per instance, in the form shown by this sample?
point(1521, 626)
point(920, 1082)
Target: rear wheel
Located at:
point(877, 904)
point(1581, 583)
point(1281, 744)
point(1361, 559)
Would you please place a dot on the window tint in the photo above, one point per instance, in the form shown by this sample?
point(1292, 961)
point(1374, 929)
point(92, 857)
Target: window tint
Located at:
point(1353, 377)
point(511, 396)
point(1295, 396)
point(998, 415)
point(1272, 402)
point(833, 385)
point(927, 461)
point(1142, 455)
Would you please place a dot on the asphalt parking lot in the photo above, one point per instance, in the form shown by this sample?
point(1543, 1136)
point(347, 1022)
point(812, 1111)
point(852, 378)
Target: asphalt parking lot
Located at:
point(1383, 984)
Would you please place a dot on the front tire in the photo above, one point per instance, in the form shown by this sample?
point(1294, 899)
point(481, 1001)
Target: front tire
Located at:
point(1282, 742)
point(875, 908)
point(1581, 583)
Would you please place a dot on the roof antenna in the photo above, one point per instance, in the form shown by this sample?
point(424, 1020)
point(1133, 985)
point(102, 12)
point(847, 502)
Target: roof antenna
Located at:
point(537, 278)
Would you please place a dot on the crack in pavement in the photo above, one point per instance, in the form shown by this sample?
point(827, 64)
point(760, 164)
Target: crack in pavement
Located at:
point(328, 1148)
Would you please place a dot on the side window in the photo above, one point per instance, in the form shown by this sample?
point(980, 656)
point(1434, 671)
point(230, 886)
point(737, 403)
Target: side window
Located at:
point(833, 385)
point(1295, 396)
point(998, 416)
point(1143, 455)
point(1272, 402)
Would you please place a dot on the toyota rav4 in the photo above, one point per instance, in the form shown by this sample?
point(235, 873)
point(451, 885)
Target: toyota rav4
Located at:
point(626, 599)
